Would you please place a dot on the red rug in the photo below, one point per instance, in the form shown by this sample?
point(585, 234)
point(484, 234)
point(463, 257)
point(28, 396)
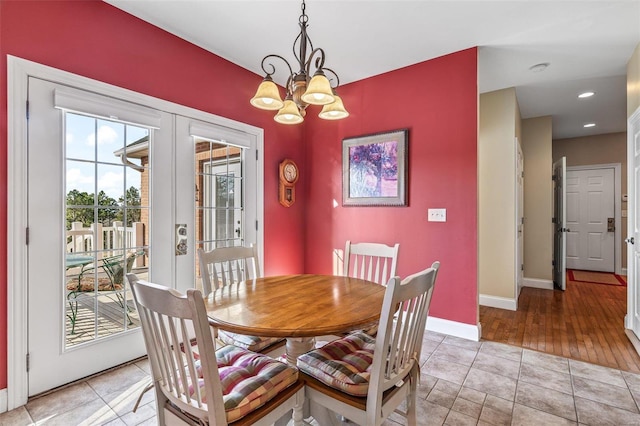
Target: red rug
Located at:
point(607, 278)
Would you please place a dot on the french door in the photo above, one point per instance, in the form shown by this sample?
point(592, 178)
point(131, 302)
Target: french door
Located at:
point(116, 187)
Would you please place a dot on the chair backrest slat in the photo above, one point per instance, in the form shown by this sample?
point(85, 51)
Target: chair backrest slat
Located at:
point(401, 329)
point(169, 321)
point(226, 266)
point(370, 261)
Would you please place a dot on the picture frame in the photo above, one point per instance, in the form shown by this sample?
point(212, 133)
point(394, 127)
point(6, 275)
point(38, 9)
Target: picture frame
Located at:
point(374, 169)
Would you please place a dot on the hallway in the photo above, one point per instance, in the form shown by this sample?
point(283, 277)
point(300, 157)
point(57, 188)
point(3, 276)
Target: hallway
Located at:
point(585, 323)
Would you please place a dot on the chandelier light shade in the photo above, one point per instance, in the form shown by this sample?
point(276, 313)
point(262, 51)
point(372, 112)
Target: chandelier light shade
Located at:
point(267, 96)
point(289, 113)
point(319, 91)
point(334, 110)
point(302, 90)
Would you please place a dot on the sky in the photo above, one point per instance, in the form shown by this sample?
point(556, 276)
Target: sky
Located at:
point(91, 164)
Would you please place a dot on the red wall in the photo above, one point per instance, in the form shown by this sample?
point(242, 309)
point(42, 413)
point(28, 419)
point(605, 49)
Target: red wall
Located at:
point(96, 40)
point(437, 101)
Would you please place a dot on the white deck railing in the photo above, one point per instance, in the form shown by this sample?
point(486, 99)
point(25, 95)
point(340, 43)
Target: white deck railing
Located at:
point(110, 238)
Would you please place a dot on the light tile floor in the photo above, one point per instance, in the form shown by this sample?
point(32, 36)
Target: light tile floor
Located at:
point(462, 383)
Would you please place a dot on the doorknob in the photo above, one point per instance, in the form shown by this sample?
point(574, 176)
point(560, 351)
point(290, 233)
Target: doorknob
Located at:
point(629, 240)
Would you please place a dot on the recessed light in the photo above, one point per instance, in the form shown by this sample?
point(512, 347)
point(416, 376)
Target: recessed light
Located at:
point(539, 67)
point(586, 95)
point(590, 125)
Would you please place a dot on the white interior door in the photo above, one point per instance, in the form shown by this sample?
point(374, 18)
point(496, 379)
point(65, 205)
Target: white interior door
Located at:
point(519, 218)
point(632, 320)
point(591, 218)
point(559, 220)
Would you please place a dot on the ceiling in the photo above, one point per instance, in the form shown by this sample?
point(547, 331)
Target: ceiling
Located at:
point(586, 43)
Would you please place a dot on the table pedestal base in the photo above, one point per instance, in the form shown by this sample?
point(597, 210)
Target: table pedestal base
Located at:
point(297, 346)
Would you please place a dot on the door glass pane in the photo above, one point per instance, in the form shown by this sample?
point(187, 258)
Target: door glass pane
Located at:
point(107, 233)
point(219, 195)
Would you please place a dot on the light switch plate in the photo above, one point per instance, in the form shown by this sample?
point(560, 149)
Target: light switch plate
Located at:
point(437, 215)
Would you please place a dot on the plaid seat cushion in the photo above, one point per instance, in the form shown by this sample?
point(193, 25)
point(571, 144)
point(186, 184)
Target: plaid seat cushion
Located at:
point(249, 380)
point(252, 343)
point(343, 364)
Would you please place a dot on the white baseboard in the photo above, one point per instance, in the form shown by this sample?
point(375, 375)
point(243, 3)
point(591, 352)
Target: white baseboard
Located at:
point(497, 302)
point(454, 328)
point(3, 400)
point(537, 283)
point(633, 338)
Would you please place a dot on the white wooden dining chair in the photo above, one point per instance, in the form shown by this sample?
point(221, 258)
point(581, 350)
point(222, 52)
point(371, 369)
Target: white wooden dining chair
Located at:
point(201, 385)
point(375, 262)
point(224, 267)
point(370, 261)
point(365, 379)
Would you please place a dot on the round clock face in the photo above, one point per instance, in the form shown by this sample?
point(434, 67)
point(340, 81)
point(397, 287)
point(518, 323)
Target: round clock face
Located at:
point(290, 172)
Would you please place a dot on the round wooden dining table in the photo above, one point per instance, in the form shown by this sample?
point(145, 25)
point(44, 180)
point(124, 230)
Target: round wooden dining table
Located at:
point(298, 307)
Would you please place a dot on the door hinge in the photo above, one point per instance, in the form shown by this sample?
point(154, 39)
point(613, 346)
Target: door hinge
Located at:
point(256, 225)
point(27, 110)
point(553, 220)
point(522, 220)
point(554, 177)
point(256, 155)
point(26, 236)
point(27, 359)
point(553, 263)
point(522, 267)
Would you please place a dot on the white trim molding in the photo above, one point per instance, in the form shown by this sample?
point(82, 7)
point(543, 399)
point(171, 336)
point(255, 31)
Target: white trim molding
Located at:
point(454, 328)
point(538, 283)
point(498, 302)
point(3, 400)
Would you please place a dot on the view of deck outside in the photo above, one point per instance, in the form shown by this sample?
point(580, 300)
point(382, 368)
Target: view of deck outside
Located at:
point(107, 225)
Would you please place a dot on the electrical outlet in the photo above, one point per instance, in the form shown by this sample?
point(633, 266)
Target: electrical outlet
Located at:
point(437, 215)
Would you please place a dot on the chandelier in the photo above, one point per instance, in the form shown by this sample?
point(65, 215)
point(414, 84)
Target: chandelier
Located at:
point(302, 90)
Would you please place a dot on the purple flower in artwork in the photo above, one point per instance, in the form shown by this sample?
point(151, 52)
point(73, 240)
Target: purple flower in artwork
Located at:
point(373, 169)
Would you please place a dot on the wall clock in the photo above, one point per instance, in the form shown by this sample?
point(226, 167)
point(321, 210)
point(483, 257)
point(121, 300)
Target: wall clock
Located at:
point(288, 178)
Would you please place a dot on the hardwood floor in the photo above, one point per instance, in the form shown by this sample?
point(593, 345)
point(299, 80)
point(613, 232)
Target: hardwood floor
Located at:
point(585, 322)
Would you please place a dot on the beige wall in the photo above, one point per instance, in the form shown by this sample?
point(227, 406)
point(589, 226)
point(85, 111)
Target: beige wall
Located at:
point(599, 149)
point(499, 116)
point(538, 198)
point(633, 82)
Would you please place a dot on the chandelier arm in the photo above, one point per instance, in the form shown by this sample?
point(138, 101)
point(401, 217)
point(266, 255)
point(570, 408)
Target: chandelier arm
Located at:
point(273, 68)
point(297, 54)
point(302, 41)
point(335, 75)
point(289, 85)
point(319, 63)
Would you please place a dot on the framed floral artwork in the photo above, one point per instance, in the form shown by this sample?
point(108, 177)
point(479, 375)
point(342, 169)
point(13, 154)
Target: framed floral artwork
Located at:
point(374, 169)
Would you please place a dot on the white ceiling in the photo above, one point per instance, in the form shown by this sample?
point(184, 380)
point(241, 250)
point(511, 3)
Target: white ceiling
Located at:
point(587, 43)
